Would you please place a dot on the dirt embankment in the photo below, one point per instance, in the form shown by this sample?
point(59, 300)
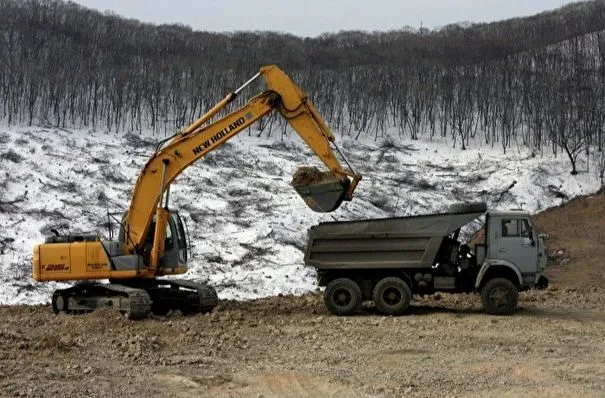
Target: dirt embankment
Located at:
point(291, 346)
point(575, 239)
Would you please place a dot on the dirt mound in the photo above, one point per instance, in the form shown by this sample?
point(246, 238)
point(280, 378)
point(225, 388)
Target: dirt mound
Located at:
point(575, 242)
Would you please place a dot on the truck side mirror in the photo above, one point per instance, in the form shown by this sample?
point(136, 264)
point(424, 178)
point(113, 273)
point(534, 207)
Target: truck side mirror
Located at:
point(531, 236)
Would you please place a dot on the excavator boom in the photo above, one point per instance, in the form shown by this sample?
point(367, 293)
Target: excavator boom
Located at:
point(194, 142)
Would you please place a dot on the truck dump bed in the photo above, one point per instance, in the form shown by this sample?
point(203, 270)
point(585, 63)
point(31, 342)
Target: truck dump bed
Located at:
point(402, 242)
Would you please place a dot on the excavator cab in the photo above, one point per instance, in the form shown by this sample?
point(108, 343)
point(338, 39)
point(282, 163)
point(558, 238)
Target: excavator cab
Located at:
point(175, 245)
point(323, 192)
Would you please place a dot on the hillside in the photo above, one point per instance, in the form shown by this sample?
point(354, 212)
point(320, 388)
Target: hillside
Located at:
point(576, 242)
point(502, 84)
point(247, 225)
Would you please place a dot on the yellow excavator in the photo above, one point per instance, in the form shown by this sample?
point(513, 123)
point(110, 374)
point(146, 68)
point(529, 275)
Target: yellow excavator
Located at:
point(152, 241)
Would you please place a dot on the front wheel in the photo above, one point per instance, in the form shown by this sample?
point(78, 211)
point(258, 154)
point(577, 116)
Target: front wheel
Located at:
point(342, 296)
point(499, 296)
point(392, 296)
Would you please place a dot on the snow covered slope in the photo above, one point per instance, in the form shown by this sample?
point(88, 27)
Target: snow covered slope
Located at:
point(247, 224)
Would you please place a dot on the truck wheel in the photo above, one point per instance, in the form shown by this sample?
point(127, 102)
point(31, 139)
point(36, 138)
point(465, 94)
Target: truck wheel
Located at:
point(342, 296)
point(499, 296)
point(392, 296)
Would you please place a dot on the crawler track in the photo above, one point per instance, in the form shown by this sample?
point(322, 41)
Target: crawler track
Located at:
point(137, 298)
point(206, 298)
point(82, 298)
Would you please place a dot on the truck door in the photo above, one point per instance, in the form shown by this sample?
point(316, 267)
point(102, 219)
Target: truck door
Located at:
point(516, 245)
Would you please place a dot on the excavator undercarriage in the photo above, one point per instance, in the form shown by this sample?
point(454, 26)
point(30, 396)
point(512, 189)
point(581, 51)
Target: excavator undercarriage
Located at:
point(137, 298)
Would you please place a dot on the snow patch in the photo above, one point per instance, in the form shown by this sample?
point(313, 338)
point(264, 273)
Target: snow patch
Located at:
point(247, 225)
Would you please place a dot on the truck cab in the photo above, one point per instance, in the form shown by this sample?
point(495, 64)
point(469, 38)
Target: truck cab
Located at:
point(512, 244)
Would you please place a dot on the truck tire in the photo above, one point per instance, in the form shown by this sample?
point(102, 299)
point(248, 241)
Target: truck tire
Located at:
point(342, 296)
point(464, 207)
point(499, 296)
point(392, 296)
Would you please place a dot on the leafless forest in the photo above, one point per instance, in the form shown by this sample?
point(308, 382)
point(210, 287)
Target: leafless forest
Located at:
point(536, 81)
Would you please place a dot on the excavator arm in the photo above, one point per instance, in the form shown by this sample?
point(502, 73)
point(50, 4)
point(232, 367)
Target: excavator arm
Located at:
point(200, 138)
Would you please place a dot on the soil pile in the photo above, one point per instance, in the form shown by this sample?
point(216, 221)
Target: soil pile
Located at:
point(305, 176)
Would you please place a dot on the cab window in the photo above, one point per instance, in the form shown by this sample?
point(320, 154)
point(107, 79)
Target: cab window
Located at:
point(181, 237)
point(169, 243)
point(510, 228)
point(515, 228)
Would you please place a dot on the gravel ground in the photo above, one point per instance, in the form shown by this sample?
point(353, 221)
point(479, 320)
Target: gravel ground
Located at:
point(290, 346)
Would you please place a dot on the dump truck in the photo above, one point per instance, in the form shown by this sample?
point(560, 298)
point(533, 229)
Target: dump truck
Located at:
point(389, 260)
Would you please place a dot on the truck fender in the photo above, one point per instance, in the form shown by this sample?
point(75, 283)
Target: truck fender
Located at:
point(497, 263)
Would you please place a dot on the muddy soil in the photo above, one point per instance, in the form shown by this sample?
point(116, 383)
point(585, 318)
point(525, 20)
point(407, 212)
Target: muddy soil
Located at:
point(291, 347)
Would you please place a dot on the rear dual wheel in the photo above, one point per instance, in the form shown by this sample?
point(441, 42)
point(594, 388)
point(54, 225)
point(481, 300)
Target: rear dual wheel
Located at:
point(392, 296)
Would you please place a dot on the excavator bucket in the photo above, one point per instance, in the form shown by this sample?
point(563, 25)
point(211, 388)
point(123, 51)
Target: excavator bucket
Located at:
point(322, 192)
